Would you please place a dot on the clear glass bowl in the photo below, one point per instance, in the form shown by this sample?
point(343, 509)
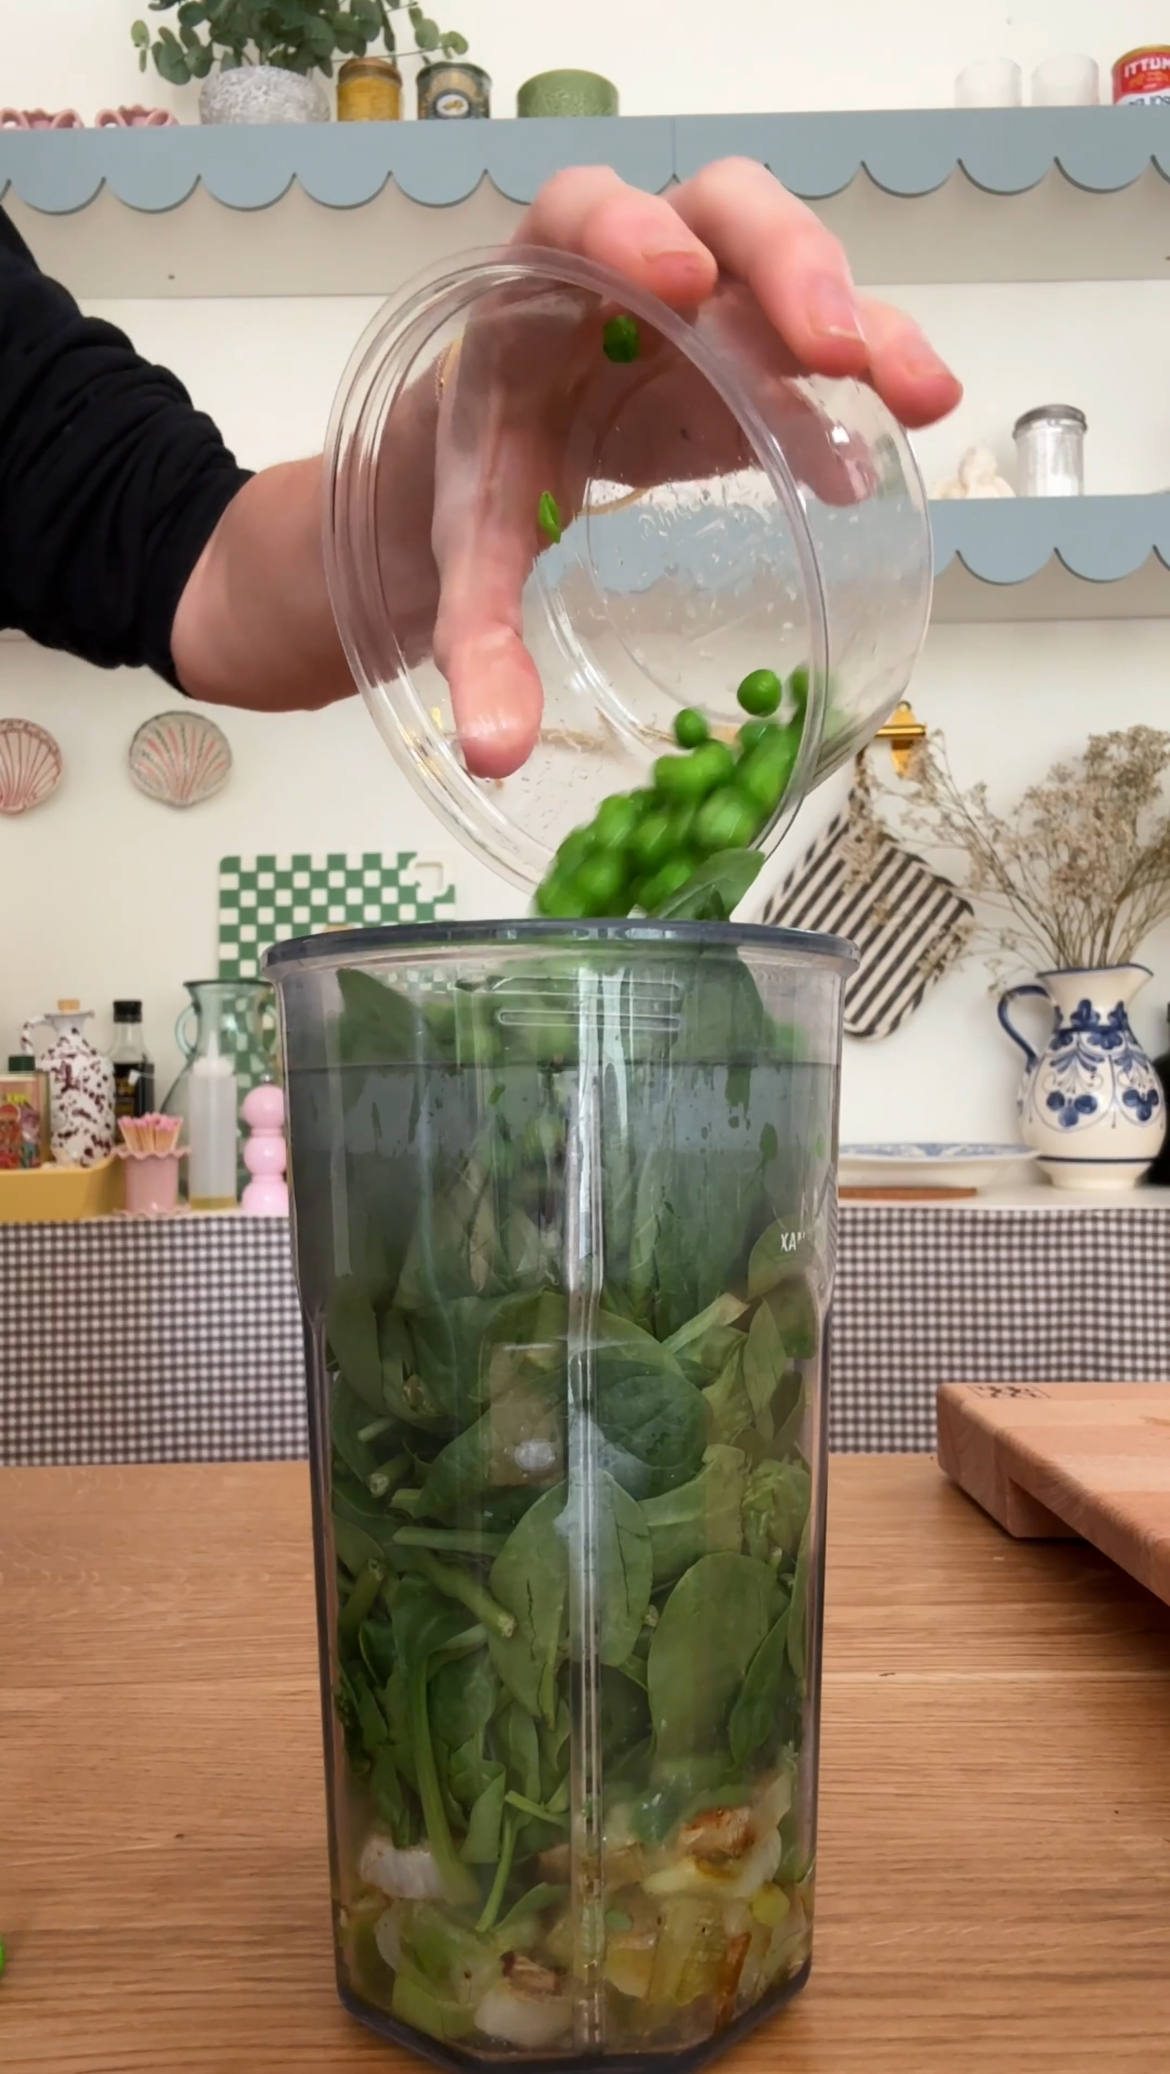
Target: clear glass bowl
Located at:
point(563, 1206)
point(720, 514)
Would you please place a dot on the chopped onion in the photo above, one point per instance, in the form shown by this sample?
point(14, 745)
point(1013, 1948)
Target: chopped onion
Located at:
point(532, 2022)
point(404, 1875)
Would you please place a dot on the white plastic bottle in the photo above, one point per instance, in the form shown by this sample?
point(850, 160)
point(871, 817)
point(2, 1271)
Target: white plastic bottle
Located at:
point(212, 1160)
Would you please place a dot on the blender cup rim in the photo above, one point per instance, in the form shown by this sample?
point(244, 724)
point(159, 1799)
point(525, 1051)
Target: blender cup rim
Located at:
point(336, 947)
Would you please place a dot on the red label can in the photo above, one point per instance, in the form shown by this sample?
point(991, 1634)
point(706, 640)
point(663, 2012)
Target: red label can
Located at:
point(1143, 76)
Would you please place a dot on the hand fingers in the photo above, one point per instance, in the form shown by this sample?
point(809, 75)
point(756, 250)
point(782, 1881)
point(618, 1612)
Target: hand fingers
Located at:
point(591, 212)
point(800, 277)
point(905, 370)
point(484, 539)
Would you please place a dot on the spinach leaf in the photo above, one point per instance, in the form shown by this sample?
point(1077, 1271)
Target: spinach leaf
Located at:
point(351, 1329)
point(763, 1365)
point(624, 1566)
point(775, 1508)
point(463, 1697)
point(711, 1626)
point(757, 1717)
point(424, 1622)
point(653, 1427)
point(378, 1026)
point(728, 1406)
point(709, 1327)
point(393, 1800)
point(714, 891)
point(531, 1578)
point(794, 1308)
point(481, 1846)
point(776, 1252)
point(798, 1619)
point(700, 1517)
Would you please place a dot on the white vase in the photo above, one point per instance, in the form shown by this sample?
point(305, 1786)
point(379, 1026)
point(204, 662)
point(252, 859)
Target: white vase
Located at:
point(262, 93)
point(1090, 1103)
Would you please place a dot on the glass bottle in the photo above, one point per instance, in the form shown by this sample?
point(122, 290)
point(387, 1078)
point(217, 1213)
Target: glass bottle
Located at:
point(133, 1071)
point(230, 1019)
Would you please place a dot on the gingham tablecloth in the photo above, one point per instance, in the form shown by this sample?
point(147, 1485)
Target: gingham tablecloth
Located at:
point(127, 1341)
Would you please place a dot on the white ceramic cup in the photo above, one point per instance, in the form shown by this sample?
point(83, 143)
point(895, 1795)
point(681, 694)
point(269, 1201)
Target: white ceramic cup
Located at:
point(993, 83)
point(1068, 80)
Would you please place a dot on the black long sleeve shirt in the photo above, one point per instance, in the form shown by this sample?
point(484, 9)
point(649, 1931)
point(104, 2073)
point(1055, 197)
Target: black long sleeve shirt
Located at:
point(111, 482)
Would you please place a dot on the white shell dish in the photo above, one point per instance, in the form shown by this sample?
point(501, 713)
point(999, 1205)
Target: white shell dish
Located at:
point(180, 759)
point(30, 766)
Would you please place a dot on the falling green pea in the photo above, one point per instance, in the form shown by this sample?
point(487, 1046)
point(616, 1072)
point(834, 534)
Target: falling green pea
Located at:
point(621, 340)
point(548, 516)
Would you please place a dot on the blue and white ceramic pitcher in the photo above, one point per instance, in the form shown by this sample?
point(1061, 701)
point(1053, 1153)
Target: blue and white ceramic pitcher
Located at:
point(1090, 1103)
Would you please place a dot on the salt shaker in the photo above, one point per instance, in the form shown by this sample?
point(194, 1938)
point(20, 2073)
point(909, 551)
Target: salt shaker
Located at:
point(1050, 444)
point(265, 1153)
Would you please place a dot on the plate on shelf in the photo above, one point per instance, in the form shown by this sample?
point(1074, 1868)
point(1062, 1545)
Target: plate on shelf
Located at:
point(930, 1165)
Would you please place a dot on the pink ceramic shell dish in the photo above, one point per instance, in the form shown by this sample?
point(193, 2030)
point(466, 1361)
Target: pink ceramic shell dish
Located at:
point(136, 118)
point(180, 759)
point(30, 766)
point(40, 119)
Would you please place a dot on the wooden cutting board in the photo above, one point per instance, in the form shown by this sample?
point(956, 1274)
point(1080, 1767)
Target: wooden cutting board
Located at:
point(1068, 1459)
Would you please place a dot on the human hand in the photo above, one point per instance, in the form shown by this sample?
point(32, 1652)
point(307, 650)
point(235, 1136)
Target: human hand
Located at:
point(524, 396)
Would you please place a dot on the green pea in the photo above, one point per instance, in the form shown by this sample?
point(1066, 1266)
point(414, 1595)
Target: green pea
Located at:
point(753, 732)
point(670, 879)
point(682, 826)
point(760, 692)
point(615, 821)
point(548, 516)
point(764, 772)
point(574, 850)
point(798, 689)
point(557, 898)
point(694, 775)
point(621, 340)
point(600, 884)
point(728, 820)
point(653, 840)
point(690, 728)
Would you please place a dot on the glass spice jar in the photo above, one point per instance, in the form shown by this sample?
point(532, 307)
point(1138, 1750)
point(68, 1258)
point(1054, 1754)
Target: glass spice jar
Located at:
point(369, 90)
point(1050, 444)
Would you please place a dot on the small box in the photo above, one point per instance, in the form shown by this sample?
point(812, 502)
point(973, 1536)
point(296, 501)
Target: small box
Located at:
point(61, 1195)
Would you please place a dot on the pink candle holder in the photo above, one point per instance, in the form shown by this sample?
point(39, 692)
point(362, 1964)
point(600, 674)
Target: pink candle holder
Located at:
point(265, 1154)
point(152, 1182)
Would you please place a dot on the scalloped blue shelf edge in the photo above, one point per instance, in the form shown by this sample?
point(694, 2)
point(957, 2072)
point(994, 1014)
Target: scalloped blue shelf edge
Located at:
point(343, 165)
point(1010, 540)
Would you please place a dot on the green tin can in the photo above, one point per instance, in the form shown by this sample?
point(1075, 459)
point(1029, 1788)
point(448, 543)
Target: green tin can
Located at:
point(567, 93)
point(452, 92)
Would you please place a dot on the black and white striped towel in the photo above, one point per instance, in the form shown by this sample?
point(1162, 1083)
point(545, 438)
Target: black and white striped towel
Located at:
point(909, 923)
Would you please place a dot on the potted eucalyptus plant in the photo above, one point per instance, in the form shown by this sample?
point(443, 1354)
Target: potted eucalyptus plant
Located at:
point(258, 59)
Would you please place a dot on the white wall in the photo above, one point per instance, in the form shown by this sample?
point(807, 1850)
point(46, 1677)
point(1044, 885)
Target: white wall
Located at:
point(108, 894)
point(669, 57)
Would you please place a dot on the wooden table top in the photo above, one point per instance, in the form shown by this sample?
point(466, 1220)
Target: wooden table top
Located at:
point(994, 1884)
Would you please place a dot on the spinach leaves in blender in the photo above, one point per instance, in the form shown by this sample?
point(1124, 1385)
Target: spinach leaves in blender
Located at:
point(452, 1354)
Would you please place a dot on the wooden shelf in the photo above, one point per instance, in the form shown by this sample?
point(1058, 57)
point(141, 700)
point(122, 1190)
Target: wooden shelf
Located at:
point(918, 195)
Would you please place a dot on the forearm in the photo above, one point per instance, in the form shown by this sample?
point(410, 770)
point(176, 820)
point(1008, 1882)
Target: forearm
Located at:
point(254, 625)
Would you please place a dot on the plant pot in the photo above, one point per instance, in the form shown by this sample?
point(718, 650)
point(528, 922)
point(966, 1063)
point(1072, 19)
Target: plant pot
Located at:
point(262, 93)
point(1090, 1103)
point(567, 93)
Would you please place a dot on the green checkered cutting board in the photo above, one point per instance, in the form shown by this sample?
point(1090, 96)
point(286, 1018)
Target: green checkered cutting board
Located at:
point(266, 899)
